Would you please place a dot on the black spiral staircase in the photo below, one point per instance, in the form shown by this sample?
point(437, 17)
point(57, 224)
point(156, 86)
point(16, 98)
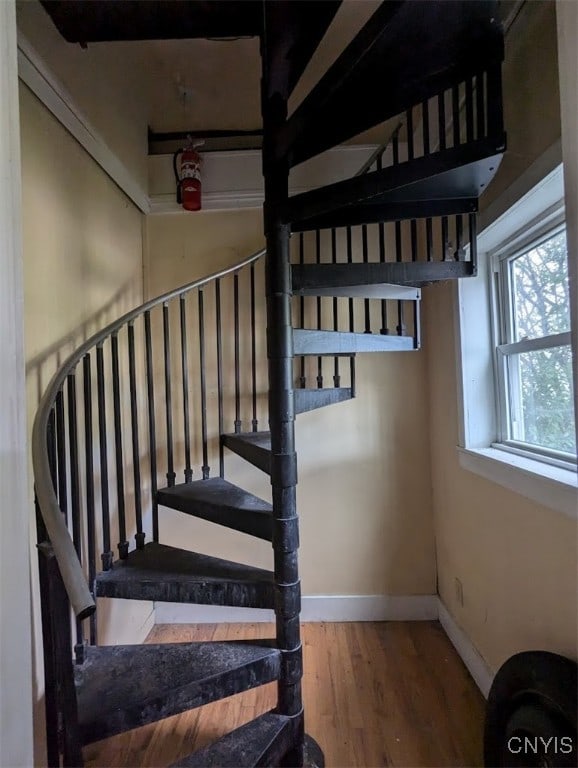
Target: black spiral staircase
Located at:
point(154, 394)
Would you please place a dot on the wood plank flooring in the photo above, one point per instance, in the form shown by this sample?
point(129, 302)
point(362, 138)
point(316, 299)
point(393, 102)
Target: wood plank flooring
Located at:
point(376, 694)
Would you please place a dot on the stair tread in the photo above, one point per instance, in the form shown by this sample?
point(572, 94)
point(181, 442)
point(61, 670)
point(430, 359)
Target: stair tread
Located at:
point(458, 172)
point(125, 686)
point(307, 278)
point(164, 573)
point(263, 741)
point(252, 446)
point(258, 439)
point(313, 342)
point(221, 502)
point(311, 399)
point(391, 291)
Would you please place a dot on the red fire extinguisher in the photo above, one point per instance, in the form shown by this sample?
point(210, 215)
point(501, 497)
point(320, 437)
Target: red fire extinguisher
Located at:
point(188, 176)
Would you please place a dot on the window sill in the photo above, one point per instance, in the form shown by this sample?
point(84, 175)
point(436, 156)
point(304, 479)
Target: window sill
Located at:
point(550, 486)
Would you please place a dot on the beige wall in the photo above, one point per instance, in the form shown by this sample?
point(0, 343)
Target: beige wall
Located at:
point(531, 94)
point(82, 268)
point(107, 84)
point(364, 483)
point(516, 560)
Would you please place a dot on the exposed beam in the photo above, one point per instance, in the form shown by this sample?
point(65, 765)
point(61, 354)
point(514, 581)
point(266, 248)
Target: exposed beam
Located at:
point(462, 171)
point(407, 52)
point(80, 21)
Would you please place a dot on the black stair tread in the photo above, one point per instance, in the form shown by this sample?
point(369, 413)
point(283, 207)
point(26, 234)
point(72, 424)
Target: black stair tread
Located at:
point(255, 447)
point(454, 40)
point(311, 399)
point(308, 278)
point(125, 686)
point(312, 342)
point(375, 210)
point(458, 172)
point(223, 503)
point(263, 741)
point(168, 574)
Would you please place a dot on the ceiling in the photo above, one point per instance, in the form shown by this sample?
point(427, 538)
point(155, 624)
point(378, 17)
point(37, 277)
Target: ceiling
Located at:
point(214, 84)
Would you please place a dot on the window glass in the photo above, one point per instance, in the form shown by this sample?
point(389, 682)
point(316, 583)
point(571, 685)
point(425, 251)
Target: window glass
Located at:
point(541, 398)
point(539, 279)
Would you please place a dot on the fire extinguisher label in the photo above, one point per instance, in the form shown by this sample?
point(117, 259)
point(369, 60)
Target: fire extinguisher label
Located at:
point(191, 171)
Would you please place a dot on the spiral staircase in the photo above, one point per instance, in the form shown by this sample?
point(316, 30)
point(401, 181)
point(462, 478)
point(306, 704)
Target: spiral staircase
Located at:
point(133, 420)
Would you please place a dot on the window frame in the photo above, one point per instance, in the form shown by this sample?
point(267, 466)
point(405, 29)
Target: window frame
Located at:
point(535, 192)
point(543, 227)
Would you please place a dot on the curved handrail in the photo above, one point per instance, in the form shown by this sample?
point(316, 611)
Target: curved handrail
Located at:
point(71, 571)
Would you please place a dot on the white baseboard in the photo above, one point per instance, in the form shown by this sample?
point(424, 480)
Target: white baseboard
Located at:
point(475, 664)
point(314, 608)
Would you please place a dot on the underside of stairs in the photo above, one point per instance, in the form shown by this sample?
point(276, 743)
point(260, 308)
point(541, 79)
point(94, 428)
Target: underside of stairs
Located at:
point(348, 283)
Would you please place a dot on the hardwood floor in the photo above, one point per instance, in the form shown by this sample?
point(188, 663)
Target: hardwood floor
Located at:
point(376, 694)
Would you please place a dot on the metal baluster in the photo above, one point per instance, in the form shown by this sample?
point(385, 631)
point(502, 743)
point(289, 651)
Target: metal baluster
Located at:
point(238, 423)
point(171, 475)
point(416, 325)
point(410, 156)
point(219, 375)
point(123, 543)
point(495, 113)
point(318, 260)
point(409, 131)
point(89, 468)
point(384, 329)
point(336, 376)
point(456, 115)
point(151, 423)
point(456, 135)
point(442, 143)
point(469, 110)
point(206, 469)
point(473, 236)
point(480, 107)
point(61, 454)
point(74, 492)
point(107, 554)
point(51, 447)
point(426, 151)
point(139, 536)
point(185, 379)
point(398, 242)
point(351, 312)
point(365, 253)
point(302, 378)
point(254, 422)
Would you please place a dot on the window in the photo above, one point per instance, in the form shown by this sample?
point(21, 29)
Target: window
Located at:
point(533, 362)
point(514, 373)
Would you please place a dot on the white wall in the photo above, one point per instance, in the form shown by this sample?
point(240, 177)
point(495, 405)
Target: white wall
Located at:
point(15, 630)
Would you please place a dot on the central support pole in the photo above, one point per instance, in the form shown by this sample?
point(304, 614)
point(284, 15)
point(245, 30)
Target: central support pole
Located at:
point(280, 362)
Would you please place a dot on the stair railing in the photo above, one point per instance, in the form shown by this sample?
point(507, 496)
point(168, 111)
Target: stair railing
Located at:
point(74, 458)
